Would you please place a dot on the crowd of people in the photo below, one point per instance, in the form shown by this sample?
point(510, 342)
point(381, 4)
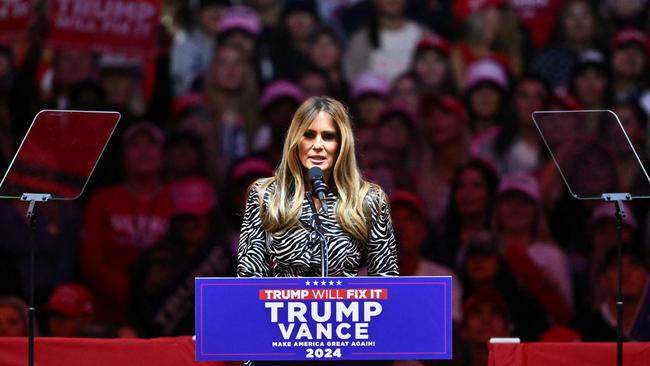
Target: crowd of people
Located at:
point(441, 94)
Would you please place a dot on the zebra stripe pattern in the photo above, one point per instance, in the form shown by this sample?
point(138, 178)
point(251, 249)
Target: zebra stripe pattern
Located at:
point(296, 252)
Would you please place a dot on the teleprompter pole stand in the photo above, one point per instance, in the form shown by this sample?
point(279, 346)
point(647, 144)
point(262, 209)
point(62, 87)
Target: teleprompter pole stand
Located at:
point(617, 199)
point(32, 198)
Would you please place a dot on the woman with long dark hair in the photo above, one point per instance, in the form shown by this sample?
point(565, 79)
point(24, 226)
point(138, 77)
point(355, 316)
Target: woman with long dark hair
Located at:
point(473, 192)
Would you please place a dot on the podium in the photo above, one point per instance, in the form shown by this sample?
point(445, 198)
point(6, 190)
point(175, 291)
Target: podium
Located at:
point(324, 318)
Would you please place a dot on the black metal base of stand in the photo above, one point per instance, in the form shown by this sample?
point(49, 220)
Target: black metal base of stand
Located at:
point(32, 198)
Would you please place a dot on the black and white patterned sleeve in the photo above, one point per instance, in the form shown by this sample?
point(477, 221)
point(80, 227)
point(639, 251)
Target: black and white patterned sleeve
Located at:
point(381, 247)
point(253, 258)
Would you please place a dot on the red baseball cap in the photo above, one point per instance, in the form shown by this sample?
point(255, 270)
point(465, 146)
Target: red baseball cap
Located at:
point(187, 101)
point(192, 196)
point(451, 104)
point(251, 167)
point(631, 36)
point(408, 199)
point(434, 42)
point(72, 300)
point(565, 100)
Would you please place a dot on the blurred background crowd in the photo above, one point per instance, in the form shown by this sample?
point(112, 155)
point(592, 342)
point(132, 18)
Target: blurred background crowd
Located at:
point(441, 93)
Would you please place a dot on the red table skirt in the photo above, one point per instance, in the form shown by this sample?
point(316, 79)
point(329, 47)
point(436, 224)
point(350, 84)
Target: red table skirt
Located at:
point(178, 351)
point(568, 354)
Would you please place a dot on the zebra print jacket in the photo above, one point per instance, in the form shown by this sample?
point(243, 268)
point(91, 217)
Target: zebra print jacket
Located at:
point(296, 252)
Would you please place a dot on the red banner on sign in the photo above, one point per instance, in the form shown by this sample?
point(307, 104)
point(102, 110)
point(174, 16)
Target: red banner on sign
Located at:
point(15, 16)
point(115, 26)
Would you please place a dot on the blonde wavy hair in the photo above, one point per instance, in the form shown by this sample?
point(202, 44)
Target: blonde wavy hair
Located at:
point(285, 204)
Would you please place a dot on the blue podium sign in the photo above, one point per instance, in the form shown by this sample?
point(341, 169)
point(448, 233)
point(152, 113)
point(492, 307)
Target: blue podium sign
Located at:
point(344, 318)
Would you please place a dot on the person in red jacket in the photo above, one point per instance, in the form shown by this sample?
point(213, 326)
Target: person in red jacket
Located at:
point(123, 220)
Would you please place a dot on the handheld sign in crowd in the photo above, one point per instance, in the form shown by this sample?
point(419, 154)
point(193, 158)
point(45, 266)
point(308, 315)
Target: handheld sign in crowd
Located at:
point(115, 26)
point(15, 16)
point(357, 318)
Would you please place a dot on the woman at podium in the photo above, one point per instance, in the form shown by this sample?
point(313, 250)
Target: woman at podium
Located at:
point(279, 235)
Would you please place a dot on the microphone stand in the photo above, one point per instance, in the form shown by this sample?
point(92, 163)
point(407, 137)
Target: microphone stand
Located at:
point(318, 229)
point(324, 267)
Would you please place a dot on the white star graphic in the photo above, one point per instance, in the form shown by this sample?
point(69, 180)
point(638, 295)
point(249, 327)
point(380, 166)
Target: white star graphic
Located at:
point(338, 283)
point(323, 283)
point(315, 283)
point(331, 283)
point(307, 283)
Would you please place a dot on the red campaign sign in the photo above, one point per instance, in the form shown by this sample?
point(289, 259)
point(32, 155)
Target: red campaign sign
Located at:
point(113, 26)
point(15, 16)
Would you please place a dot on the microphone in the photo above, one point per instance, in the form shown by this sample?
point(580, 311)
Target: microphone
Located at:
point(319, 188)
